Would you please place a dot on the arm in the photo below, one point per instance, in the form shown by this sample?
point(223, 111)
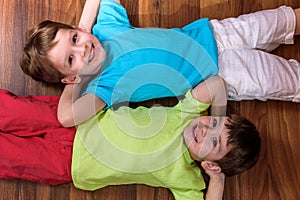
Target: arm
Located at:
point(214, 91)
point(216, 183)
point(72, 110)
point(89, 14)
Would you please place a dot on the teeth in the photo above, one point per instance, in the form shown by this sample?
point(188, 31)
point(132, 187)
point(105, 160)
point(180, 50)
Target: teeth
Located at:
point(91, 55)
point(195, 135)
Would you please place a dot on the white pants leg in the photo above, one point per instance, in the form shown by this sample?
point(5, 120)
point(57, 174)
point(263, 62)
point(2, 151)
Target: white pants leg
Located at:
point(252, 73)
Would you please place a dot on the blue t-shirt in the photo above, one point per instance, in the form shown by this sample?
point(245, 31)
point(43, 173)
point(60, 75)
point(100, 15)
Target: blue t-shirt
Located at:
point(147, 63)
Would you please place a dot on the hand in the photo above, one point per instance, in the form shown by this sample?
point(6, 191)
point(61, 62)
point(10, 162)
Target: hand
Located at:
point(217, 181)
point(213, 170)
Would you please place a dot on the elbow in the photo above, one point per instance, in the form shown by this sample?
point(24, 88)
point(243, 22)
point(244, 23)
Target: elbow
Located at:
point(65, 120)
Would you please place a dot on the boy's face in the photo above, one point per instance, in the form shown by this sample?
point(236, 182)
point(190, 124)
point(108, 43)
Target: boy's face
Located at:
point(76, 52)
point(206, 138)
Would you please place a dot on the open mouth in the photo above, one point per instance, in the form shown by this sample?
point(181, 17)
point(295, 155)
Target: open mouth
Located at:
point(194, 133)
point(92, 53)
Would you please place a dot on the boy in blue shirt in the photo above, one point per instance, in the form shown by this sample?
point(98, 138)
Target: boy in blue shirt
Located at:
point(134, 64)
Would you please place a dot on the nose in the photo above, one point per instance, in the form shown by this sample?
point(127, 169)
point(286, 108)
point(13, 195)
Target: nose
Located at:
point(81, 49)
point(202, 129)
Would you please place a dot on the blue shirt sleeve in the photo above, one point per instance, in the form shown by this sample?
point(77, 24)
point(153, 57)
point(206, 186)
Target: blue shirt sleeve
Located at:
point(112, 19)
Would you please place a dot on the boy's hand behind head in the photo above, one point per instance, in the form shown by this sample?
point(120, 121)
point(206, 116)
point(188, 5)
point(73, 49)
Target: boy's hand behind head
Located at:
point(212, 169)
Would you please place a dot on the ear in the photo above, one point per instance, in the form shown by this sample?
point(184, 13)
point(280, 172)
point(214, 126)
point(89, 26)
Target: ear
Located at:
point(210, 166)
point(71, 80)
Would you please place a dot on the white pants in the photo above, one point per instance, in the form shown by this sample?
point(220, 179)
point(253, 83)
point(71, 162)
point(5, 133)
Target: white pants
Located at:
point(251, 72)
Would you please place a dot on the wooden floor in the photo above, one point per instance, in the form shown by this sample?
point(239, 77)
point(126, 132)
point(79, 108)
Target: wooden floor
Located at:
point(277, 174)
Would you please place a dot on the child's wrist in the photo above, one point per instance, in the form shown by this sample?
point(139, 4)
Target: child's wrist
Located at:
point(218, 177)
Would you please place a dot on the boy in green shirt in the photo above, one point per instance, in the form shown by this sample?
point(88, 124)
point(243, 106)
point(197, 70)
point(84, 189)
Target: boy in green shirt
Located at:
point(162, 146)
point(158, 146)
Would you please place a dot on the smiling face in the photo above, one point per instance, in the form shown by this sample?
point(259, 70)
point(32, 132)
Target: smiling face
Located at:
point(76, 53)
point(206, 138)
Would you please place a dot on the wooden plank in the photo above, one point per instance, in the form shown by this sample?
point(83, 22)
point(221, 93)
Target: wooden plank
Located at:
point(276, 175)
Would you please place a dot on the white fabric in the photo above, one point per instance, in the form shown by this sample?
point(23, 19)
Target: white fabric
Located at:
point(251, 72)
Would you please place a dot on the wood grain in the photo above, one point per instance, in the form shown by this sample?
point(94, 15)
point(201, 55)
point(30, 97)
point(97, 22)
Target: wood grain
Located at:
point(277, 174)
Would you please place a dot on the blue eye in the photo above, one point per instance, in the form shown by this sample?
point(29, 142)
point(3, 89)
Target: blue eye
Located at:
point(214, 141)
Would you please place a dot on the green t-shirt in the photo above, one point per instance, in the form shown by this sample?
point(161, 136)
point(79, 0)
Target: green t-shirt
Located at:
point(139, 146)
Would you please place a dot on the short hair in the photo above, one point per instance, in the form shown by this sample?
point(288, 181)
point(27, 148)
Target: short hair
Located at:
point(245, 139)
point(39, 41)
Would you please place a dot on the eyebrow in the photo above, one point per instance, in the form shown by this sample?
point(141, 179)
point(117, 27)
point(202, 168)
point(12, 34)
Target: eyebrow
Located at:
point(66, 62)
point(220, 143)
point(220, 140)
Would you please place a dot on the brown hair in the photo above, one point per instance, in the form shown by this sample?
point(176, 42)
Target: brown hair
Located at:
point(34, 61)
point(244, 138)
